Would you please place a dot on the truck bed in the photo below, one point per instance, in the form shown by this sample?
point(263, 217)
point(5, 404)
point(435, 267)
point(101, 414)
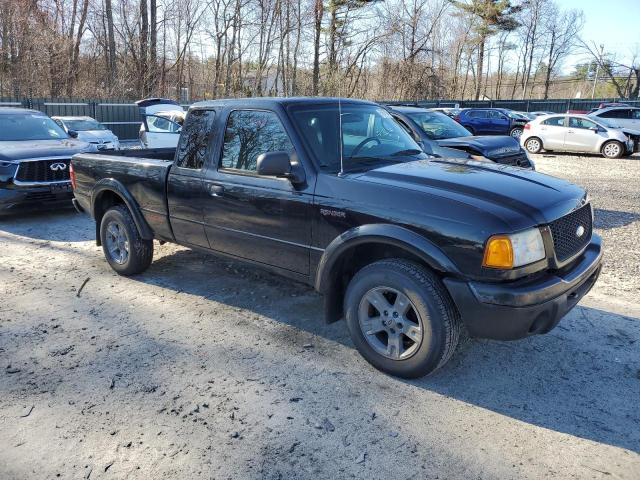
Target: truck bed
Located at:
point(142, 173)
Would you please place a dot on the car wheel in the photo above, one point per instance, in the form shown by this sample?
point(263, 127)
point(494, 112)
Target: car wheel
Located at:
point(401, 318)
point(533, 145)
point(125, 250)
point(516, 132)
point(612, 149)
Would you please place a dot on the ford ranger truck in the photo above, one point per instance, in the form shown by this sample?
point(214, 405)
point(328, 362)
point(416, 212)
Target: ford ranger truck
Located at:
point(409, 250)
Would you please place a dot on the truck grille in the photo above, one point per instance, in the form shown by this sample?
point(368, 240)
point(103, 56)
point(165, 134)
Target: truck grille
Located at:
point(566, 242)
point(41, 171)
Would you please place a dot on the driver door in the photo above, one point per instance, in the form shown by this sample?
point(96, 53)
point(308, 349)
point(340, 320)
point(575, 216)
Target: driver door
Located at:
point(259, 218)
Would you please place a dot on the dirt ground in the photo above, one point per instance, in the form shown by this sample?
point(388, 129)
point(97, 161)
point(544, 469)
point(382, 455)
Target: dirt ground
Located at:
point(203, 368)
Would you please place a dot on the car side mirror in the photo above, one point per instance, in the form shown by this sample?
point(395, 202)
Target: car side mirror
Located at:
point(280, 164)
point(73, 133)
point(594, 129)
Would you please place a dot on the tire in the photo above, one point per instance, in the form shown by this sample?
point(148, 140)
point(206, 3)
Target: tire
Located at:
point(124, 249)
point(516, 132)
point(613, 149)
point(533, 145)
point(392, 283)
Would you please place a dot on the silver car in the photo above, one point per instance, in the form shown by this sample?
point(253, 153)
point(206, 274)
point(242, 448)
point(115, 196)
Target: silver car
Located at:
point(627, 117)
point(576, 133)
point(89, 130)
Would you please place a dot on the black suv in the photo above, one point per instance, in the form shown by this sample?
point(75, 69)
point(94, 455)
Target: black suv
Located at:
point(35, 153)
point(337, 195)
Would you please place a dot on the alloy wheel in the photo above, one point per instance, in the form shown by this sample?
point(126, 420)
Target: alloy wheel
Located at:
point(390, 323)
point(117, 242)
point(612, 150)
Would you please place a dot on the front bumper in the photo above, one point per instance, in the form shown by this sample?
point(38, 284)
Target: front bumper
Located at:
point(508, 311)
point(15, 200)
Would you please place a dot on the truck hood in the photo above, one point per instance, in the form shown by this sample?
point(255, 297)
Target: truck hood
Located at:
point(521, 198)
point(23, 150)
point(490, 147)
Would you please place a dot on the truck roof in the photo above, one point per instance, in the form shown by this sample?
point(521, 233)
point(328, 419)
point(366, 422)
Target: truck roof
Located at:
point(272, 101)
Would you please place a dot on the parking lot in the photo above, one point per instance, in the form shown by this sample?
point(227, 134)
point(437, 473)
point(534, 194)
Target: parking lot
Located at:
point(204, 368)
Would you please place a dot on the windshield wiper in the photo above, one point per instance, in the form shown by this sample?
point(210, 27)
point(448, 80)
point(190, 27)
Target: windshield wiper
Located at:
point(356, 163)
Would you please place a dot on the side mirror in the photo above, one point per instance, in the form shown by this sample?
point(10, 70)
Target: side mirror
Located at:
point(280, 164)
point(594, 129)
point(73, 133)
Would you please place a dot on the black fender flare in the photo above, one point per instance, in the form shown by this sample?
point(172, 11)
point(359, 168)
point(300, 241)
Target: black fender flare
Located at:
point(395, 235)
point(115, 186)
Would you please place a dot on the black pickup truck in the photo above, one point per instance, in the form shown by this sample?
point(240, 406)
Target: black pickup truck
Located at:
point(336, 194)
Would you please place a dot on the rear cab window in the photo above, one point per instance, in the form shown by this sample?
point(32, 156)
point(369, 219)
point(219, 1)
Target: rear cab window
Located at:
point(194, 141)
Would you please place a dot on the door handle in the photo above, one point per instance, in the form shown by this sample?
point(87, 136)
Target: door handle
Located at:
point(215, 190)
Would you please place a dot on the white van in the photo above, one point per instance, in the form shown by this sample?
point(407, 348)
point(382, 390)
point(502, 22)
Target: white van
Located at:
point(162, 121)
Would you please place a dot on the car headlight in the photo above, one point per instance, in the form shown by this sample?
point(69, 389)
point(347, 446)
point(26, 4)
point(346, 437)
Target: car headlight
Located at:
point(515, 250)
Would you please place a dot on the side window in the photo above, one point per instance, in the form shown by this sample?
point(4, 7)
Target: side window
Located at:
point(575, 122)
point(478, 114)
point(554, 121)
point(616, 114)
point(250, 133)
point(194, 141)
point(635, 114)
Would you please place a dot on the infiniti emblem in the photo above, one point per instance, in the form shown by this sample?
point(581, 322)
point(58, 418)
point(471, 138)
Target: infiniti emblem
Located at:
point(580, 231)
point(58, 166)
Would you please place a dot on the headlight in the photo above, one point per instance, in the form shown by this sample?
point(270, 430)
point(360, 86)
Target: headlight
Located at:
point(516, 250)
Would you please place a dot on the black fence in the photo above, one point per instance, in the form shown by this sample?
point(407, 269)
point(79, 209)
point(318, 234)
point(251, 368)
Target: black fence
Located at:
point(123, 118)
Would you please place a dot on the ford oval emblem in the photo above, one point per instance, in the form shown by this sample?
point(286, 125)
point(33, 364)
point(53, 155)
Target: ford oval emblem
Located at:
point(580, 231)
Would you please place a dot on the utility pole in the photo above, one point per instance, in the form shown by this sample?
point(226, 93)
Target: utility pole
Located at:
point(595, 80)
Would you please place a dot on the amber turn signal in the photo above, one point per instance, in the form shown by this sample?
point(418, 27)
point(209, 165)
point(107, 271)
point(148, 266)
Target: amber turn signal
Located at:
point(498, 252)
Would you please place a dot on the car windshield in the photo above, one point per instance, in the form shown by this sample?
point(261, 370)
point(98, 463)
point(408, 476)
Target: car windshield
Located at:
point(607, 122)
point(82, 125)
point(370, 137)
point(29, 126)
point(438, 126)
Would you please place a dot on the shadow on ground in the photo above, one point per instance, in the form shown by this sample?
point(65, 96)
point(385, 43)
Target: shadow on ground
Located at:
point(582, 379)
point(44, 225)
point(607, 219)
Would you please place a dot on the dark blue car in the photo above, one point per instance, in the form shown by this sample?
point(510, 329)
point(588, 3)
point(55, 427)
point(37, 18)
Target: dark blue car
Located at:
point(441, 136)
point(491, 121)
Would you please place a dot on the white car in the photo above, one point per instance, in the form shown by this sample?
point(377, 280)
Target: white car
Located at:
point(576, 133)
point(90, 130)
point(162, 121)
point(626, 117)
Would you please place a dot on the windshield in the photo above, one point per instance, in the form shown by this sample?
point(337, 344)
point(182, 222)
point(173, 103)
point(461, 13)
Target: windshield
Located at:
point(438, 126)
point(370, 136)
point(29, 126)
point(607, 122)
point(84, 125)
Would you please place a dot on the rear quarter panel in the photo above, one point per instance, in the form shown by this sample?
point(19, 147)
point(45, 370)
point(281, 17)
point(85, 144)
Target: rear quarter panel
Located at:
point(143, 178)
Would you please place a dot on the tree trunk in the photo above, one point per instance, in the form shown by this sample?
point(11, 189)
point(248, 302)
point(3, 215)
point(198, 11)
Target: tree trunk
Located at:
point(153, 47)
point(112, 72)
point(479, 72)
point(144, 36)
point(318, 14)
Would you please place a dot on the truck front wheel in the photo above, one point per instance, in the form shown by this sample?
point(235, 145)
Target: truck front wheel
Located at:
point(125, 250)
point(401, 318)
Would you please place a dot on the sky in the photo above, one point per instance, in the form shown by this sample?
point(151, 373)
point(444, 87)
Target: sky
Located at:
point(612, 23)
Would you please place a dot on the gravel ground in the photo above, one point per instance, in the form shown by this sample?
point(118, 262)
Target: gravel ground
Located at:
point(202, 368)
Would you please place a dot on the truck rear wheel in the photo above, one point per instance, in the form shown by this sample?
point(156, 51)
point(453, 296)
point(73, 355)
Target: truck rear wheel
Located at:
point(125, 250)
point(401, 318)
